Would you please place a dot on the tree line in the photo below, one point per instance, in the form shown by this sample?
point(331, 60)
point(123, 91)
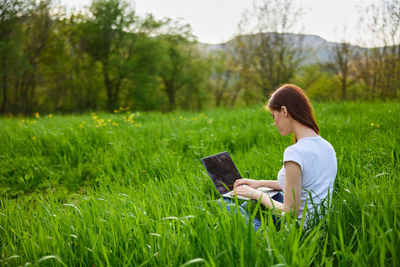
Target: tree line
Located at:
point(105, 57)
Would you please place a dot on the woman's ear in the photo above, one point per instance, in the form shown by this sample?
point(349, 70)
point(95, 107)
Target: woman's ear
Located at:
point(285, 112)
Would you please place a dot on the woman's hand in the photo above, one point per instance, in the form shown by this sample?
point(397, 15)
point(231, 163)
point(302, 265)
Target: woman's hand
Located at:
point(249, 182)
point(247, 191)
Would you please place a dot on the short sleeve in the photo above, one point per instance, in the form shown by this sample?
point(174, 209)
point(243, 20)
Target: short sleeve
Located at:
point(293, 154)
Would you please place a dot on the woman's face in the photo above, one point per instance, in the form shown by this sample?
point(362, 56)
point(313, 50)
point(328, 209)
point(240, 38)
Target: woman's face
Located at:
point(281, 120)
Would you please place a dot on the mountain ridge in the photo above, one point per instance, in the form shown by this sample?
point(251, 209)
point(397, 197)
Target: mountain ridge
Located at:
point(321, 48)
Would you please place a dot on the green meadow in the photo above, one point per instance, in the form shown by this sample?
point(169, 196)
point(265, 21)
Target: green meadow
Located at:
point(128, 189)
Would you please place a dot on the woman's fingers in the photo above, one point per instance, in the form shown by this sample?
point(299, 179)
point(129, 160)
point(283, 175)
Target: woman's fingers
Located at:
point(239, 182)
point(244, 191)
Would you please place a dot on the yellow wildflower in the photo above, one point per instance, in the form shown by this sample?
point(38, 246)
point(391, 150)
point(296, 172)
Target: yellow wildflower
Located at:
point(372, 124)
point(50, 115)
point(34, 138)
point(37, 115)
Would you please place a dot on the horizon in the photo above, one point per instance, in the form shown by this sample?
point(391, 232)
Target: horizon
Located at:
point(305, 34)
point(333, 21)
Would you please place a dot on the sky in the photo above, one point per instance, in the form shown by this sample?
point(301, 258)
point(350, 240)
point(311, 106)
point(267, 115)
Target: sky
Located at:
point(215, 21)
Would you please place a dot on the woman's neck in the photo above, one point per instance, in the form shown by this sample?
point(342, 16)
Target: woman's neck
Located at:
point(302, 131)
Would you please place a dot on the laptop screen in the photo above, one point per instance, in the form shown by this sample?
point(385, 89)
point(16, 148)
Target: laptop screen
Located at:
point(222, 171)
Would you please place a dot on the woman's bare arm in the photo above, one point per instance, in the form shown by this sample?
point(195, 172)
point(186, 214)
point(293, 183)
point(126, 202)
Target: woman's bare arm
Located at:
point(271, 184)
point(292, 191)
point(292, 197)
point(258, 183)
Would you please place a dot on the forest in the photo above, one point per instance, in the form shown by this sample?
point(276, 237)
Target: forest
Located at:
point(106, 57)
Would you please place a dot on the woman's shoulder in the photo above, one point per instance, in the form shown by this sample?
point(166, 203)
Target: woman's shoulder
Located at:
point(310, 151)
point(308, 145)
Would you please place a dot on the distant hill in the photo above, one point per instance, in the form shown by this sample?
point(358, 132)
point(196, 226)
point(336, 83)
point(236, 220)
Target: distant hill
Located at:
point(320, 49)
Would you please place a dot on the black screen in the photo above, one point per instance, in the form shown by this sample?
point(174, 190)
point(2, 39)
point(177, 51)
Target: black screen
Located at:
point(222, 170)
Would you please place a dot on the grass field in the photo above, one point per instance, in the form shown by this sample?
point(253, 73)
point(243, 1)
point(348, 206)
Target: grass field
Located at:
point(129, 189)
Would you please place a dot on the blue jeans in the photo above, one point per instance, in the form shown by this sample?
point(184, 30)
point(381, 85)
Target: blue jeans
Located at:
point(242, 208)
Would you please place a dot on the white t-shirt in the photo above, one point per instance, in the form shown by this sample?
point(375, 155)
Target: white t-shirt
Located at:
point(318, 163)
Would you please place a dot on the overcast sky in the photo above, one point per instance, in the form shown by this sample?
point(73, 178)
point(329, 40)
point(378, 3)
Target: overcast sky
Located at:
point(215, 21)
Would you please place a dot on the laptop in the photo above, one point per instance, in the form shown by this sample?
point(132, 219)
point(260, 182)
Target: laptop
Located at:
point(223, 173)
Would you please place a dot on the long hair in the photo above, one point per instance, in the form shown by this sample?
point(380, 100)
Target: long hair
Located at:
point(296, 103)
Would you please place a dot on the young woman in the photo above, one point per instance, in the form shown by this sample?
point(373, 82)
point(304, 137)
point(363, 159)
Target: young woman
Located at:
point(310, 165)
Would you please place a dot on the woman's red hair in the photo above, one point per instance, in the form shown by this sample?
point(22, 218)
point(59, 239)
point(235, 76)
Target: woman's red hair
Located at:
point(296, 103)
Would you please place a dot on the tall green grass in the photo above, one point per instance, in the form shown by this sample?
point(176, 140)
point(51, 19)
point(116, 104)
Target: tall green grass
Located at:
point(122, 189)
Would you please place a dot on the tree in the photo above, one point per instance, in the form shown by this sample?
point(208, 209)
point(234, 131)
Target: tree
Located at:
point(194, 94)
point(275, 54)
point(242, 65)
point(37, 25)
point(222, 80)
point(342, 57)
point(183, 70)
point(143, 87)
point(383, 63)
point(366, 71)
point(106, 38)
point(9, 29)
point(72, 78)
point(318, 81)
